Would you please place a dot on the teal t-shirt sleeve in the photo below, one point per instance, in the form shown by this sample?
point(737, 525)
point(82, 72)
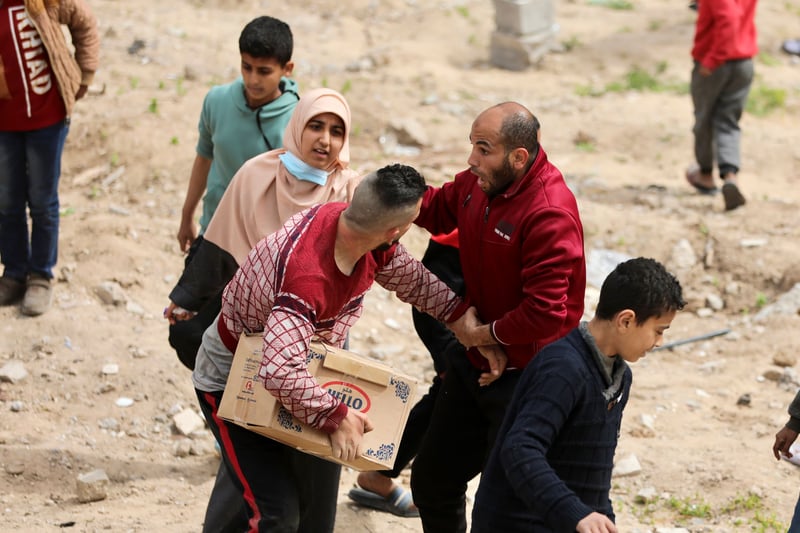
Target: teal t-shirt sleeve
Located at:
point(205, 144)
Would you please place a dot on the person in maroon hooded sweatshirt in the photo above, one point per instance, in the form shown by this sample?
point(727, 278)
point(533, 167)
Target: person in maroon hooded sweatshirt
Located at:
point(522, 257)
point(723, 51)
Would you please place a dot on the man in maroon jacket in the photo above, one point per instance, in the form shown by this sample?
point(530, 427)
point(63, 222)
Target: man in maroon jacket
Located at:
point(521, 245)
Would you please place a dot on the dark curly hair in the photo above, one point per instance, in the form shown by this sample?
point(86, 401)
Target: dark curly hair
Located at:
point(642, 285)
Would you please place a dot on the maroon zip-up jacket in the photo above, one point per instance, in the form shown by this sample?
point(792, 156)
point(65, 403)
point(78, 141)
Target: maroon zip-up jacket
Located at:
point(521, 253)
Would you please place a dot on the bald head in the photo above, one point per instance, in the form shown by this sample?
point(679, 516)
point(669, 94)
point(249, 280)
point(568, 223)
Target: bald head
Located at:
point(517, 126)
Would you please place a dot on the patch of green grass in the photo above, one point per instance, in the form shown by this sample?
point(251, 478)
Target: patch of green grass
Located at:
point(179, 88)
point(743, 503)
point(585, 146)
point(153, 107)
point(761, 300)
point(161, 85)
point(133, 81)
point(346, 87)
point(174, 140)
point(588, 90)
point(623, 5)
point(761, 523)
point(655, 25)
point(741, 511)
point(637, 79)
point(463, 11)
point(689, 507)
point(790, 7)
point(764, 100)
point(572, 43)
point(767, 59)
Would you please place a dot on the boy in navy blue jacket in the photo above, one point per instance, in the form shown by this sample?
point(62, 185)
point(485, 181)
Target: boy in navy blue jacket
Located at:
point(550, 468)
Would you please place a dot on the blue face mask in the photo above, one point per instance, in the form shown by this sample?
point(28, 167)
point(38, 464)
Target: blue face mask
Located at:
point(302, 170)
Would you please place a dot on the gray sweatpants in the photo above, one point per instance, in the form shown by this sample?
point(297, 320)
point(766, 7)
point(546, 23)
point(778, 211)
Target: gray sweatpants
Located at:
point(719, 100)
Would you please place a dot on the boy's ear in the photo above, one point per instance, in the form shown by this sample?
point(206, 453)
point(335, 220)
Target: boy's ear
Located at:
point(625, 319)
point(288, 68)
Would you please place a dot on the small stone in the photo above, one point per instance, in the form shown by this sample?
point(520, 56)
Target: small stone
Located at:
point(627, 466)
point(784, 360)
point(646, 495)
point(201, 447)
point(752, 243)
point(182, 448)
point(16, 406)
point(111, 293)
point(187, 422)
point(15, 469)
point(124, 402)
point(110, 369)
point(732, 288)
point(772, 374)
point(704, 312)
point(683, 256)
point(13, 372)
point(715, 302)
point(92, 486)
point(744, 400)
point(109, 424)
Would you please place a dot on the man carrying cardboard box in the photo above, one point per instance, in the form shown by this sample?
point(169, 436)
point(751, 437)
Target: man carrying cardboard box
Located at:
point(307, 281)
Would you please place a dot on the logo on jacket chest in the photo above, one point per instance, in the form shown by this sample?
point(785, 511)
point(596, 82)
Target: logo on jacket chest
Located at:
point(504, 229)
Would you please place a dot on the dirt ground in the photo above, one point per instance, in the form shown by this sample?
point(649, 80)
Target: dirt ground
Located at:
point(704, 450)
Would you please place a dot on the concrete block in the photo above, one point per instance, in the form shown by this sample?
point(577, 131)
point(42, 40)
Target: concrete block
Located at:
point(513, 52)
point(523, 17)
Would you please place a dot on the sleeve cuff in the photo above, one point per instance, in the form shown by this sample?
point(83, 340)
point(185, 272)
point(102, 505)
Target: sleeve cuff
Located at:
point(459, 310)
point(794, 424)
point(493, 333)
point(334, 419)
point(182, 298)
point(87, 78)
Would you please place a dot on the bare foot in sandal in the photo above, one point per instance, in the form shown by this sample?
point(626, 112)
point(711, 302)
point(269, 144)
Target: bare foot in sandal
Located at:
point(382, 493)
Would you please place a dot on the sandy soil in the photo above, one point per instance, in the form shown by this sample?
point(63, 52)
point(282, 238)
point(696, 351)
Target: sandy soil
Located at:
point(127, 163)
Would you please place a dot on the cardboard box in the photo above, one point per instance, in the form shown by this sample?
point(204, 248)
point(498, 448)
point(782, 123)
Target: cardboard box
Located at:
point(361, 383)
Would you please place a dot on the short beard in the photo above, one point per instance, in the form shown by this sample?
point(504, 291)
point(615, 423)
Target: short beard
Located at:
point(502, 178)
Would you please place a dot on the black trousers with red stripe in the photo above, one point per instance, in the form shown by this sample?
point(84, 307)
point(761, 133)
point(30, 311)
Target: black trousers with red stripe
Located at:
point(285, 490)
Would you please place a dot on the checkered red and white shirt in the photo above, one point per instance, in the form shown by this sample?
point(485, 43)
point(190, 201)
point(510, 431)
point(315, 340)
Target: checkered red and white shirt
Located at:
point(290, 288)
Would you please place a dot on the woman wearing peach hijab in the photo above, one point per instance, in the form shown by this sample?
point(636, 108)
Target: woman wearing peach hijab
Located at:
point(311, 168)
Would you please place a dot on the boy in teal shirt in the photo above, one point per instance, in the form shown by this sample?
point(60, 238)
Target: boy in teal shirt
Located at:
point(241, 119)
